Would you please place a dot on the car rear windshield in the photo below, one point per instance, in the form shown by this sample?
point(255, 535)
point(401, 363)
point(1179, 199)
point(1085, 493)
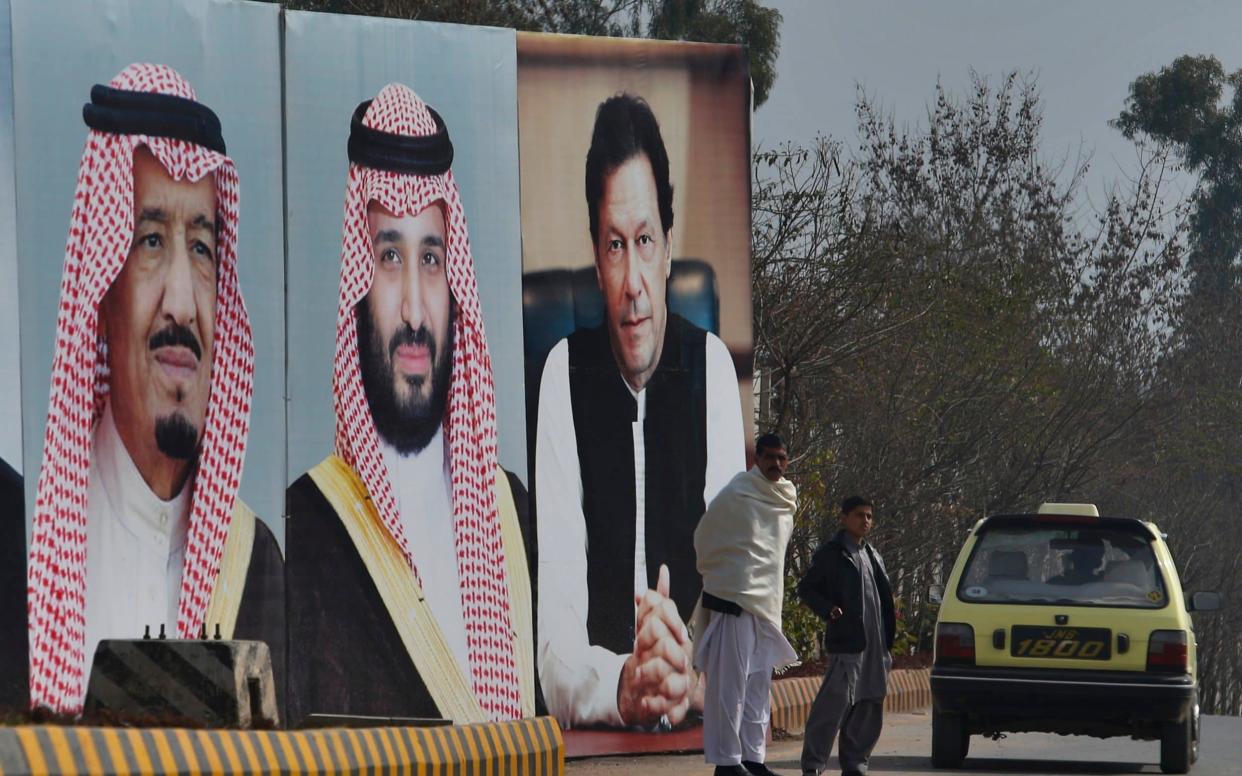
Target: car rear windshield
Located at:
point(1029, 562)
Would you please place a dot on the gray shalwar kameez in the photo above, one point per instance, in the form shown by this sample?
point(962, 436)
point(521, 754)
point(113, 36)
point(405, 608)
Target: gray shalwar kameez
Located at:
point(850, 702)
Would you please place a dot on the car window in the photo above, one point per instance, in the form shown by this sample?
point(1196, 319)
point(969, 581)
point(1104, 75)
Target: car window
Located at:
point(1084, 566)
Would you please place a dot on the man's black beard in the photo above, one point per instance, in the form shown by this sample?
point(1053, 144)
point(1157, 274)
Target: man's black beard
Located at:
point(408, 425)
point(176, 437)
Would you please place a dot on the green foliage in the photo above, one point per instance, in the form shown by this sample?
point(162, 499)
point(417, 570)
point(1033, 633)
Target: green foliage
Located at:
point(906, 641)
point(724, 21)
point(1181, 106)
point(800, 625)
point(746, 22)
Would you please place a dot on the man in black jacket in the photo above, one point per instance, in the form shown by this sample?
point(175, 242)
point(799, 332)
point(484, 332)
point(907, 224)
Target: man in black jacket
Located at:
point(848, 587)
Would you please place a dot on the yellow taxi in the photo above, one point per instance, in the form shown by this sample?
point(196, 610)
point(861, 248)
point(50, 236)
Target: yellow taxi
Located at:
point(1066, 622)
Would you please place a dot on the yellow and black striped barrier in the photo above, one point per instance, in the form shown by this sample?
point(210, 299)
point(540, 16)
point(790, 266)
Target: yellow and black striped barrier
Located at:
point(530, 747)
point(908, 690)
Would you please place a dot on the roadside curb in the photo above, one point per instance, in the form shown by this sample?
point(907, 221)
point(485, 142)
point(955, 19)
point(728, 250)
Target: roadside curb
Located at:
point(531, 747)
point(908, 690)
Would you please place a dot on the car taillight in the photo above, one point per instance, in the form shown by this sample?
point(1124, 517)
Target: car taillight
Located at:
point(955, 644)
point(1166, 652)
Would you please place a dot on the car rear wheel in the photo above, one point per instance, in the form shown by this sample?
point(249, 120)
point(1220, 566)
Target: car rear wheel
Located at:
point(1177, 745)
point(949, 739)
point(1195, 732)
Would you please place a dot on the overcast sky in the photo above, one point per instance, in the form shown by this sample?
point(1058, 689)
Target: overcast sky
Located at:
point(1084, 56)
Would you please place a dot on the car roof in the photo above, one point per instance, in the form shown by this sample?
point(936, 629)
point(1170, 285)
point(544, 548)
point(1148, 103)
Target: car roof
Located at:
point(1032, 520)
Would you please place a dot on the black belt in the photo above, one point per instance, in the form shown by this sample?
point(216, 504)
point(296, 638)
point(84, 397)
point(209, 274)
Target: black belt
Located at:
point(720, 605)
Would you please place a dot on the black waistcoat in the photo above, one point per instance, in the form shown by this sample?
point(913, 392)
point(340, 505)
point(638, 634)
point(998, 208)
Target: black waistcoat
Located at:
point(675, 434)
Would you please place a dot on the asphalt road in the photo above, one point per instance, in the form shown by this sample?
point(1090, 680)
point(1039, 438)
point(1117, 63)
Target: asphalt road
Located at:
point(905, 746)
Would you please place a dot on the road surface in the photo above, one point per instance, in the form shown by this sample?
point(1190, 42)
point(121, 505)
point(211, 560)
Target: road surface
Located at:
point(905, 746)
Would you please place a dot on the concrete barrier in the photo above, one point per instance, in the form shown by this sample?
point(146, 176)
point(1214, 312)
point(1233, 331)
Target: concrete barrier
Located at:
point(531, 747)
point(908, 690)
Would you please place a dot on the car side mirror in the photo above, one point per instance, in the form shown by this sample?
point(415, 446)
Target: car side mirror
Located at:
point(1205, 601)
point(935, 594)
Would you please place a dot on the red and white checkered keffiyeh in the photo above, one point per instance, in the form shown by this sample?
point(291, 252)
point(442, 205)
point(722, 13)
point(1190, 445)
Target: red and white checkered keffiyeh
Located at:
point(100, 234)
point(470, 425)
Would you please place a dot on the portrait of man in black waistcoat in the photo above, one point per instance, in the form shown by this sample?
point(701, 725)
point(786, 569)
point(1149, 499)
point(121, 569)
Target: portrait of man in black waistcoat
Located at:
point(639, 426)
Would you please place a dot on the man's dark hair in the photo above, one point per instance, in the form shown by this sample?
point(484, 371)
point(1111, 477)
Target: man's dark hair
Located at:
point(854, 502)
point(624, 128)
point(768, 442)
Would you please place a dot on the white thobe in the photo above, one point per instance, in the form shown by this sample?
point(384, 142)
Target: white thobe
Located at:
point(135, 547)
point(421, 483)
point(737, 655)
point(579, 680)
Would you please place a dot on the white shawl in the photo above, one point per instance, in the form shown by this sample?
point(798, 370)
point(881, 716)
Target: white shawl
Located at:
point(740, 544)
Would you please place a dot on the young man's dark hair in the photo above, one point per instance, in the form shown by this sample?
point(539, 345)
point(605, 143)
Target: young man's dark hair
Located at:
point(854, 502)
point(624, 128)
point(768, 442)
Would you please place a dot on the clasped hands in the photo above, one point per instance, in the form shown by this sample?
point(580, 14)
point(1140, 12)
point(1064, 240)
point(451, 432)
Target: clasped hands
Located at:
point(658, 679)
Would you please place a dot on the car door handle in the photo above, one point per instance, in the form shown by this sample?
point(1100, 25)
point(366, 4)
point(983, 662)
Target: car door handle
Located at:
point(998, 638)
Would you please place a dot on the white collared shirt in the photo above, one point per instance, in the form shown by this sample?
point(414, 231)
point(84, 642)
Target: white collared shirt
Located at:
point(422, 486)
point(579, 680)
point(135, 546)
point(640, 488)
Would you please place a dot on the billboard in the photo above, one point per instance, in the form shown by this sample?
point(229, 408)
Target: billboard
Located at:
point(636, 251)
point(341, 354)
point(152, 394)
point(406, 383)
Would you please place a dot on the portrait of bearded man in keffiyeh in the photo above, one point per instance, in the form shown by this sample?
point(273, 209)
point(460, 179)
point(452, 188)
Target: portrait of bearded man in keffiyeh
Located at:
point(409, 592)
point(137, 520)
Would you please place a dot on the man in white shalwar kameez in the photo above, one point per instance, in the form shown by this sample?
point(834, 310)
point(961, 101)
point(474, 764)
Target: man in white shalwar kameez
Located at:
point(740, 548)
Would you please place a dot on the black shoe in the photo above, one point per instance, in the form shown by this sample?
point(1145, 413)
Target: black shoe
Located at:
point(757, 769)
point(730, 770)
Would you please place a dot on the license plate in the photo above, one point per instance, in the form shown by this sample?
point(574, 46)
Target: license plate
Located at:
point(1061, 642)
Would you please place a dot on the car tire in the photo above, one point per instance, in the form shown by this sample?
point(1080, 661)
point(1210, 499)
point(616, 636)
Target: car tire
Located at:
point(1195, 732)
point(1177, 745)
point(949, 740)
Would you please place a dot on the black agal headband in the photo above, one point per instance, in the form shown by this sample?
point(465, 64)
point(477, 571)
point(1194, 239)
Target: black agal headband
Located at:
point(122, 112)
point(423, 155)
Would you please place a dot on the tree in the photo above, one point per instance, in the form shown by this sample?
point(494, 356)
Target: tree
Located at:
point(1191, 485)
point(747, 22)
point(939, 326)
point(1181, 106)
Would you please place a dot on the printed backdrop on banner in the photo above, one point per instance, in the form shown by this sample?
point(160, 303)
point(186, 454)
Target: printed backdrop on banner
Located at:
point(636, 303)
point(405, 549)
point(153, 377)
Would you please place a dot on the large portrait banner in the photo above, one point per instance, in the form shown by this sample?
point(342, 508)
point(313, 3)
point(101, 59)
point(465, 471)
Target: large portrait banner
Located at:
point(149, 241)
point(406, 383)
point(636, 302)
